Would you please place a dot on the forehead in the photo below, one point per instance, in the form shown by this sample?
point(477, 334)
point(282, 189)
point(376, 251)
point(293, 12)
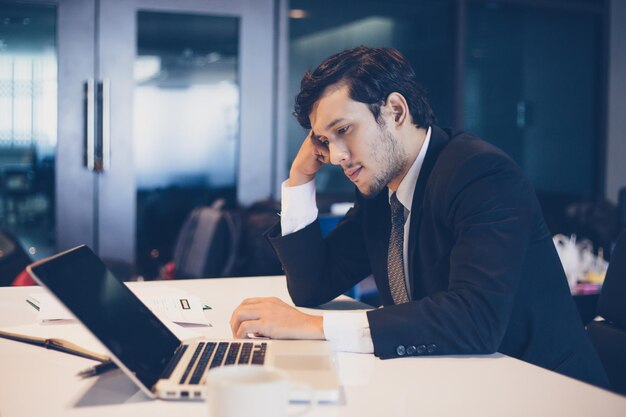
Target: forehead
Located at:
point(335, 103)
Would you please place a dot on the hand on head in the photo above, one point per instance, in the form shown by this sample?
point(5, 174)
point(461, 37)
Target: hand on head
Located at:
point(311, 157)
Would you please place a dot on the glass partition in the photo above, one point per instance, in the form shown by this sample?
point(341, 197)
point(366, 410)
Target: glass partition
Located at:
point(28, 124)
point(186, 124)
point(532, 88)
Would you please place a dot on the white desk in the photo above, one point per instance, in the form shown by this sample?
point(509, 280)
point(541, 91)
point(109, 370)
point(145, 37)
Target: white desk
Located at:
point(40, 382)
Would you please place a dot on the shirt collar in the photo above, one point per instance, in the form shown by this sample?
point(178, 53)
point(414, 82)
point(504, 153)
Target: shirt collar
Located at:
point(406, 189)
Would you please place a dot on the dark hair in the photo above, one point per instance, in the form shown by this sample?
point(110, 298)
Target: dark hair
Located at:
point(371, 74)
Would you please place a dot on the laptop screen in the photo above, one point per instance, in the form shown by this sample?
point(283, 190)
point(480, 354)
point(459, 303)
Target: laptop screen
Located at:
point(110, 310)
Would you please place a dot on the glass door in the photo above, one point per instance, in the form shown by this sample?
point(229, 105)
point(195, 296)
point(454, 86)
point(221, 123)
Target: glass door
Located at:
point(28, 125)
point(189, 118)
point(45, 194)
point(186, 124)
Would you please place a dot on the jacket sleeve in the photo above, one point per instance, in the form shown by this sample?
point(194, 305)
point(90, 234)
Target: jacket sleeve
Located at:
point(319, 269)
point(485, 205)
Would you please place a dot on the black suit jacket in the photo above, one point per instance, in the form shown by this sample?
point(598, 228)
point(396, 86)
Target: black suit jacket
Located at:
point(485, 275)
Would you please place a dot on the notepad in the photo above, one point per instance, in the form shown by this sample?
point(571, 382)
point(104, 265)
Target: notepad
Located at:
point(56, 344)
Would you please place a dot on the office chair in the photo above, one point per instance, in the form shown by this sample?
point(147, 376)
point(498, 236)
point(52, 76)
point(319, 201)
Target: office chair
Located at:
point(208, 243)
point(609, 336)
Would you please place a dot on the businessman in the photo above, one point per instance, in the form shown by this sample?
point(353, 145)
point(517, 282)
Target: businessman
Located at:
point(447, 224)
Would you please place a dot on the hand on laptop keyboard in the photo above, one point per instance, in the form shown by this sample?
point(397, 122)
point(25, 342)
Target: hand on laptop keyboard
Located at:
point(273, 318)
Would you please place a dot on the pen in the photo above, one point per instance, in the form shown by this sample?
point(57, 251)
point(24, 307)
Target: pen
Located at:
point(35, 306)
point(97, 369)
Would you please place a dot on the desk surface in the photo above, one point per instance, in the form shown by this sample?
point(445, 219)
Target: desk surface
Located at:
point(40, 382)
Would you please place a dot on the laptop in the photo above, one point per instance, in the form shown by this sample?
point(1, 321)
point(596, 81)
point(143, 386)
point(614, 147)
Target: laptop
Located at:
point(160, 364)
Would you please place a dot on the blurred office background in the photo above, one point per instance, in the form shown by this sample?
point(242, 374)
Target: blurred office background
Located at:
point(118, 117)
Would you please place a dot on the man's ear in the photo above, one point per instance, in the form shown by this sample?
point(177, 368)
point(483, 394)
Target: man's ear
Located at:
point(399, 108)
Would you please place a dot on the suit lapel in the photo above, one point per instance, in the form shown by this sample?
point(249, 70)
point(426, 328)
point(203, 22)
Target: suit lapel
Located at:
point(438, 140)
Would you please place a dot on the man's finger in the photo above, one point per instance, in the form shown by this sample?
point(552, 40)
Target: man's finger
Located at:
point(320, 150)
point(247, 327)
point(323, 157)
point(243, 313)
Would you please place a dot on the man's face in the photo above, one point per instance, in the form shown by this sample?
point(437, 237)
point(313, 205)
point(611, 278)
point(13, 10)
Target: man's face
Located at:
point(370, 154)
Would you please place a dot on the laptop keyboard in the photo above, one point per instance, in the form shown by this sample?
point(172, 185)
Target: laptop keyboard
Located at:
point(170, 366)
point(214, 354)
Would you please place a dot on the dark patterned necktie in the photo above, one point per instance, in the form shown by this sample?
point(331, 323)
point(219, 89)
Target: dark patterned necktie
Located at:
point(395, 261)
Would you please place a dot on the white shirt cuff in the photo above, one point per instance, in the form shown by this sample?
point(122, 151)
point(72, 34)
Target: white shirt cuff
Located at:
point(348, 332)
point(298, 207)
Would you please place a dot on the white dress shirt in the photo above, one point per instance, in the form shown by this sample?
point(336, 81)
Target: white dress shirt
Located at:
point(348, 331)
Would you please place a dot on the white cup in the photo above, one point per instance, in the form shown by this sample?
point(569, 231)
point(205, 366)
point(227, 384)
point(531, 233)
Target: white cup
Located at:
point(260, 391)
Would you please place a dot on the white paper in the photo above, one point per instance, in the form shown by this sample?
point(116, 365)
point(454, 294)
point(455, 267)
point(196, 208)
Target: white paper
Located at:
point(49, 308)
point(172, 304)
point(178, 309)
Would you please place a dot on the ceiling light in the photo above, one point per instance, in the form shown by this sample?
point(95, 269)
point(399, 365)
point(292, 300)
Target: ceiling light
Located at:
point(297, 14)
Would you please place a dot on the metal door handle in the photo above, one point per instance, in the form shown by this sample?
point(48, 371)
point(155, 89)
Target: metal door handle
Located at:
point(105, 125)
point(90, 125)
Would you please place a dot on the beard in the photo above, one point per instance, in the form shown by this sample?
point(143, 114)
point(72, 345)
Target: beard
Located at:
point(391, 158)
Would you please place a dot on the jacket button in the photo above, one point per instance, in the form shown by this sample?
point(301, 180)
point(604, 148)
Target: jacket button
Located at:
point(421, 349)
point(401, 350)
point(411, 350)
point(432, 347)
